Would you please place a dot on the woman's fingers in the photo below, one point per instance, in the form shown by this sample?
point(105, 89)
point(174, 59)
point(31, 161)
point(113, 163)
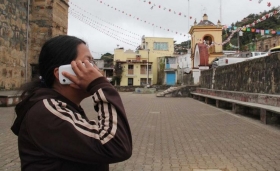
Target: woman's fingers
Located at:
point(85, 73)
point(76, 66)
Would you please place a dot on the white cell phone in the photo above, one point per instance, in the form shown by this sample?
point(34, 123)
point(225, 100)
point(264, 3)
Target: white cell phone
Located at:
point(65, 68)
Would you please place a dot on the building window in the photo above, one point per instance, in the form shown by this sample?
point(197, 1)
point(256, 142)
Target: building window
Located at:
point(171, 60)
point(35, 70)
point(266, 47)
point(130, 69)
point(160, 46)
point(130, 81)
point(144, 69)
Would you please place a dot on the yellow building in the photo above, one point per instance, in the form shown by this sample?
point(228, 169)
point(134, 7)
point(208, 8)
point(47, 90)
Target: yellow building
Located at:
point(134, 67)
point(208, 33)
point(135, 63)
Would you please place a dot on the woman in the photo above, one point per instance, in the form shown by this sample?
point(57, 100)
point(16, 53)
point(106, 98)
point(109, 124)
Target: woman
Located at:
point(53, 131)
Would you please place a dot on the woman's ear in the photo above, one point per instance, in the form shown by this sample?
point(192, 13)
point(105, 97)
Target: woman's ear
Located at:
point(56, 73)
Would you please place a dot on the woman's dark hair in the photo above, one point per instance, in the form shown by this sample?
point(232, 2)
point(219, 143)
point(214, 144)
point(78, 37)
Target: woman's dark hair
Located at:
point(55, 52)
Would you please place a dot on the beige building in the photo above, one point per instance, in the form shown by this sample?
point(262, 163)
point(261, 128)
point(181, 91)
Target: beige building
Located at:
point(135, 63)
point(20, 46)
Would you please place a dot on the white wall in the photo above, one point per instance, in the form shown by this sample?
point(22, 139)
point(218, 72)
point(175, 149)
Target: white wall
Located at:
point(184, 60)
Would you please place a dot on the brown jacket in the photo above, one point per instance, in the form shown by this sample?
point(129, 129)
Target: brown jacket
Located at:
point(55, 134)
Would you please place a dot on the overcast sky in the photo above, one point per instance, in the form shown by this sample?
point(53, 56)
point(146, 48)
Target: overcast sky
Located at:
point(116, 23)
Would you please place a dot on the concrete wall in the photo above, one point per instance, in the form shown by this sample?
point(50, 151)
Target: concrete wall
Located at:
point(260, 75)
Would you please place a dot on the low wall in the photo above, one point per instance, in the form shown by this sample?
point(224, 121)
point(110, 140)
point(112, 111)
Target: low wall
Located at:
point(260, 75)
point(132, 88)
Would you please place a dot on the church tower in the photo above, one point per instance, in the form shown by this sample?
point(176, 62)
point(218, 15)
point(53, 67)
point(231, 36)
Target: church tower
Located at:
point(204, 35)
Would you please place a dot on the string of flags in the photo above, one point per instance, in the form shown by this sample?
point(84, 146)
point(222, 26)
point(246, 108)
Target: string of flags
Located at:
point(78, 15)
point(233, 46)
point(72, 5)
point(140, 19)
point(268, 3)
point(260, 31)
point(102, 30)
point(245, 28)
point(101, 25)
point(153, 6)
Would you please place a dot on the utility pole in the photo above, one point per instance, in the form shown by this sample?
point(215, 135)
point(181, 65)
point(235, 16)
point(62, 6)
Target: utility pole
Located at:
point(182, 72)
point(221, 11)
point(148, 68)
point(238, 41)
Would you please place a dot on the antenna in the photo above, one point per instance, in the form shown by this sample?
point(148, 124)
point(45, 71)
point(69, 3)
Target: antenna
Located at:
point(188, 22)
point(221, 11)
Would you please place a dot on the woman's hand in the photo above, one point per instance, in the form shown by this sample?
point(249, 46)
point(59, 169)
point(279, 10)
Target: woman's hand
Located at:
point(85, 74)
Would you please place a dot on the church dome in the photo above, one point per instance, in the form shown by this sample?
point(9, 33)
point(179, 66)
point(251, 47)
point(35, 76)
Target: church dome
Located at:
point(205, 21)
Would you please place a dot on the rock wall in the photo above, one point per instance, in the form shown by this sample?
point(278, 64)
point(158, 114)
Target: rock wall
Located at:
point(13, 17)
point(47, 18)
point(260, 75)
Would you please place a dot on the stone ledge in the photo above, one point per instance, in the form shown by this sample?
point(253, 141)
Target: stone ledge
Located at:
point(9, 98)
point(6, 101)
point(249, 104)
point(258, 98)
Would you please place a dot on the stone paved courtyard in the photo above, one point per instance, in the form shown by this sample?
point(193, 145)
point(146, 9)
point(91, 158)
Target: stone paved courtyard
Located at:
point(177, 134)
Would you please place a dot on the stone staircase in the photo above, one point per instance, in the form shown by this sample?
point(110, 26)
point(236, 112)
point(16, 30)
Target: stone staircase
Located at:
point(172, 92)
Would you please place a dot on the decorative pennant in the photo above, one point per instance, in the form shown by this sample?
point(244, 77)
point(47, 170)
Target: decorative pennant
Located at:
point(268, 4)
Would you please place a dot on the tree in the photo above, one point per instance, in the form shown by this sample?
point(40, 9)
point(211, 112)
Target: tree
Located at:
point(118, 70)
point(108, 59)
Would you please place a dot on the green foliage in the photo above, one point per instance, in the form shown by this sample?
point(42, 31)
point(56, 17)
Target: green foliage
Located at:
point(118, 70)
point(108, 59)
point(183, 47)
